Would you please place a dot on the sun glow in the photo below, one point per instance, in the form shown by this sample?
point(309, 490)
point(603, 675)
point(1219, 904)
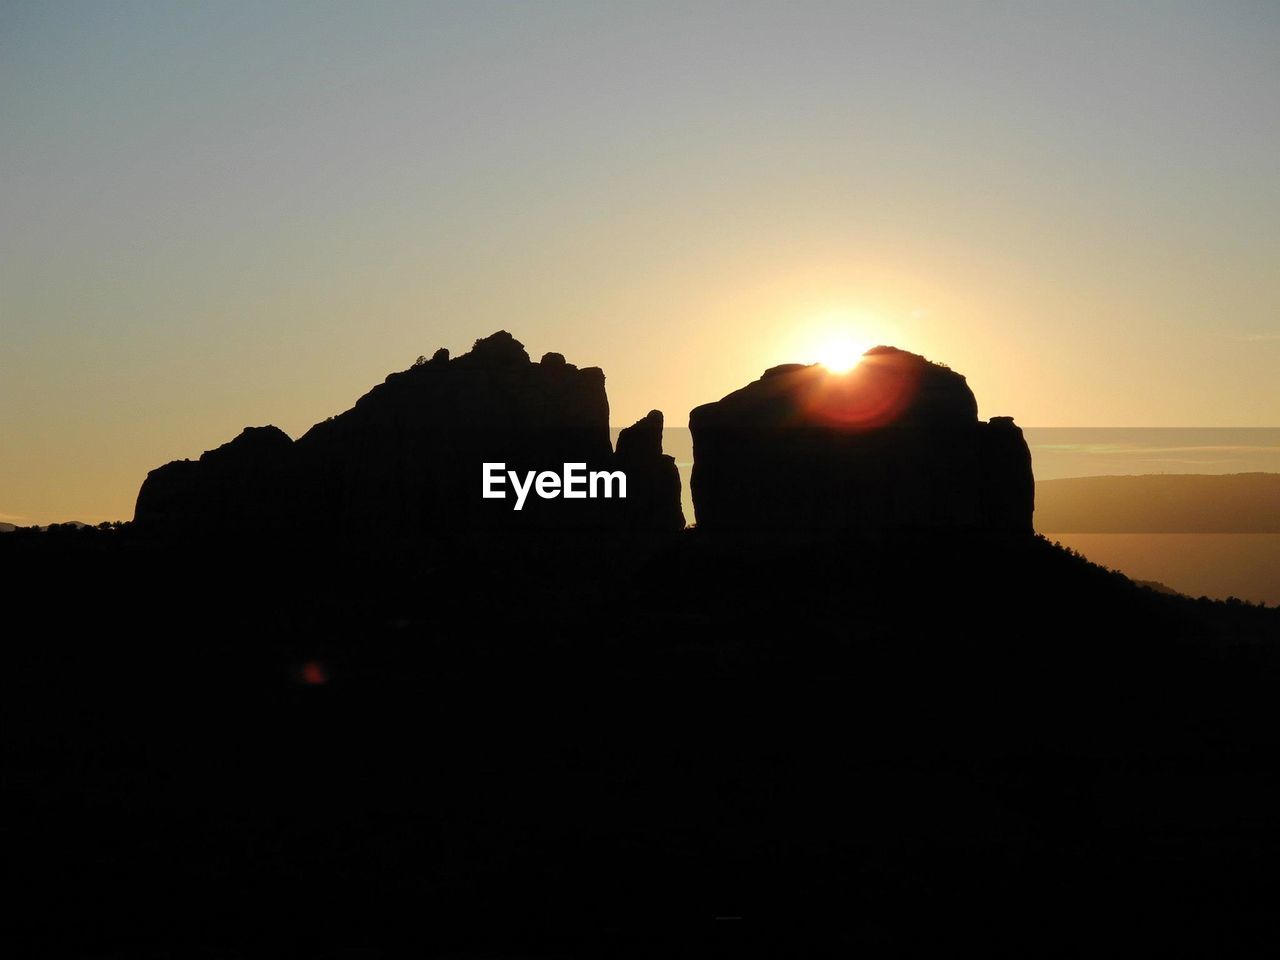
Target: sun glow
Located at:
point(841, 353)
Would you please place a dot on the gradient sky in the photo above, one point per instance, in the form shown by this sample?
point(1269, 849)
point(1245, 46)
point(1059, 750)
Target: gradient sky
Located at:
point(245, 213)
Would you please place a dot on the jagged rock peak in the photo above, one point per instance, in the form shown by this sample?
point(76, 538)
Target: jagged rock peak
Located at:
point(643, 439)
point(251, 442)
point(653, 475)
point(498, 350)
point(402, 467)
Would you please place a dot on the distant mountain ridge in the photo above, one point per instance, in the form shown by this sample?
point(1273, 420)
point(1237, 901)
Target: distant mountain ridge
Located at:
point(1160, 503)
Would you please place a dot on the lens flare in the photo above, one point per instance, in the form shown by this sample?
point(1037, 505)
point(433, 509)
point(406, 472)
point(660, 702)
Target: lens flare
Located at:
point(873, 394)
point(842, 353)
point(313, 674)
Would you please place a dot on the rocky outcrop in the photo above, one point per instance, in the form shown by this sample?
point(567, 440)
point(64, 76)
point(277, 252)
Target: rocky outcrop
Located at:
point(896, 443)
point(655, 480)
point(239, 485)
point(404, 465)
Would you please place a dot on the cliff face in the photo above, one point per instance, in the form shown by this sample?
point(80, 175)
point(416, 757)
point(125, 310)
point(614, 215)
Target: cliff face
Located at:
point(654, 477)
point(404, 464)
point(239, 485)
point(896, 443)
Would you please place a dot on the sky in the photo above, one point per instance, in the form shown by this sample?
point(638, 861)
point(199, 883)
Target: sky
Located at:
point(229, 214)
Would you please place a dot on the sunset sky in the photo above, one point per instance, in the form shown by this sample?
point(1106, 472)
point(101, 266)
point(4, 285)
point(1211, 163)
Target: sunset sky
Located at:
point(215, 215)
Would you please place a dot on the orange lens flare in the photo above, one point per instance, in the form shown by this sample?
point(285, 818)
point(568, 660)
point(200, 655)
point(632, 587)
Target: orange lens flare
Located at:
point(873, 394)
point(313, 674)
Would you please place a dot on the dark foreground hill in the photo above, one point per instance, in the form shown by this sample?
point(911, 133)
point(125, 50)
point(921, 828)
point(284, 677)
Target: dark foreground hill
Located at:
point(734, 741)
point(887, 744)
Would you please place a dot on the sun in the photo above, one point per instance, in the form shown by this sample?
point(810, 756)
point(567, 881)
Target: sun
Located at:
point(842, 352)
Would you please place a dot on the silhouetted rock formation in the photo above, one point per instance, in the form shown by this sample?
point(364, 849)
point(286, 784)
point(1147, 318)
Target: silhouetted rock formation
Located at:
point(654, 478)
point(404, 465)
point(896, 443)
point(239, 485)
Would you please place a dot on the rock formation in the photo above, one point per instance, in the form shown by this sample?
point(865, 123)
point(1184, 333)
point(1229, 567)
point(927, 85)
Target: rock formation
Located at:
point(403, 466)
point(239, 485)
point(654, 477)
point(896, 443)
